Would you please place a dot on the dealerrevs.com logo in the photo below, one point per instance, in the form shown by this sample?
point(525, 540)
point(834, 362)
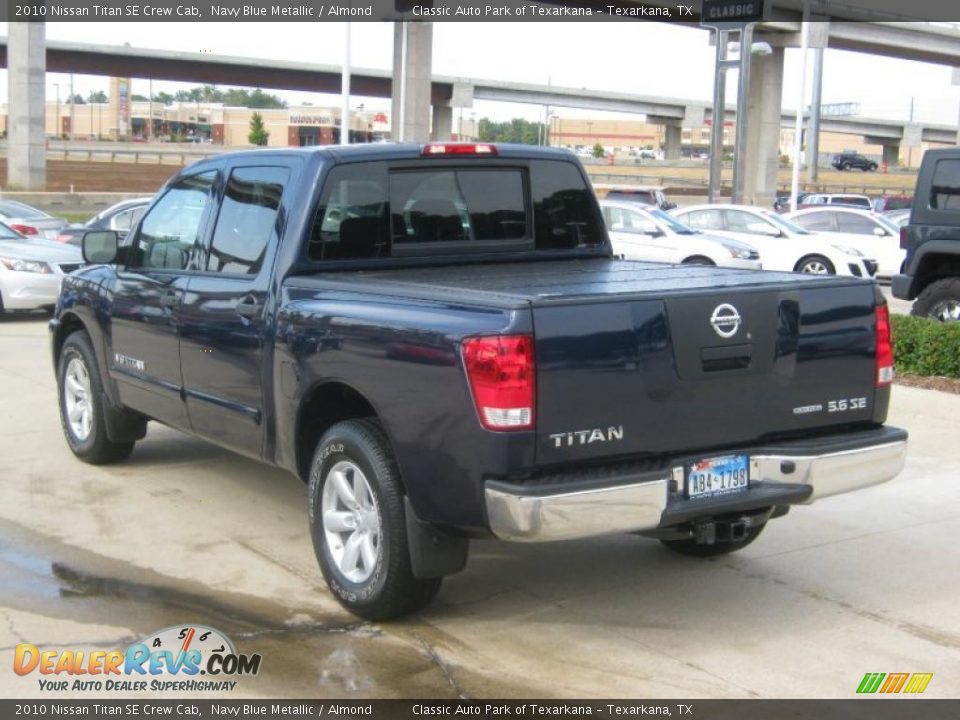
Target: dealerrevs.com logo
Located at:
point(175, 659)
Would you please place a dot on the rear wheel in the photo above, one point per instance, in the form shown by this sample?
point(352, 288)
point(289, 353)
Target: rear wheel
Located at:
point(692, 548)
point(939, 300)
point(81, 404)
point(815, 265)
point(845, 166)
point(358, 525)
point(871, 167)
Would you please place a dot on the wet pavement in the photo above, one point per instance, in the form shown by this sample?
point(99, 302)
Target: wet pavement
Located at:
point(95, 558)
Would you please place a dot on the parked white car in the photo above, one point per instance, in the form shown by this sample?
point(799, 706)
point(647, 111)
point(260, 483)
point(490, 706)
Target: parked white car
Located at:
point(782, 244)
point(31, 270)
point(869, 232)
point(650, 234)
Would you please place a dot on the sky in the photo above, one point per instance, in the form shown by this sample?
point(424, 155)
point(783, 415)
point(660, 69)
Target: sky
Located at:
point(634, 57)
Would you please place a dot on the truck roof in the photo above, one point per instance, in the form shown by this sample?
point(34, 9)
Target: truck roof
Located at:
point(400, 151)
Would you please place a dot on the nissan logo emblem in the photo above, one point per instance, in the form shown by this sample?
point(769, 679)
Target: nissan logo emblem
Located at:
point(725, 320)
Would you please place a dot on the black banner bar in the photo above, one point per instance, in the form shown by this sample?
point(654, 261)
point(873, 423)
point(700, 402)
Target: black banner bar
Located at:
point(860, 709)
point(681, 11)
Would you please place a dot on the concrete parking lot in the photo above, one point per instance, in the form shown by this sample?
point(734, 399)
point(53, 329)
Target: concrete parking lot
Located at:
point(183, 532)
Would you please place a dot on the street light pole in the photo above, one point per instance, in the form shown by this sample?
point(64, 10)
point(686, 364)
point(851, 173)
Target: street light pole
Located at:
point(345, 92)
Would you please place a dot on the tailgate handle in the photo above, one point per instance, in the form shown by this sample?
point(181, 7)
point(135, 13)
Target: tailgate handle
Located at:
point(726, 357)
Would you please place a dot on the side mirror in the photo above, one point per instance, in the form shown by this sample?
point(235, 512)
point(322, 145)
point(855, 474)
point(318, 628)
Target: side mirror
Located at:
point(760, 228)
point(669, 206)
point(651, 231)
point(100, 247)
point(879, 232)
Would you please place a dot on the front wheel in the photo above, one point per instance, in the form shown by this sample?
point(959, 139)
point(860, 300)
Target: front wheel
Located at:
point(939, 300)
point(698, 260)
point(692, 548)
point(358, 527)
point(80, 391)
point(815, 265)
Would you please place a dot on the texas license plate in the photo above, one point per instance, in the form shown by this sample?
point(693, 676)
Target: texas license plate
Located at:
point(718, 476)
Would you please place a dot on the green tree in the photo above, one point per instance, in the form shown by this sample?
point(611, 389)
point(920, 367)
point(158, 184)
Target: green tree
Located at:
point(77, 99)
point(598, 151)
point(139, 98)
point(258, 133)
point(163, 98)
point(97, 97)
point(517, 130)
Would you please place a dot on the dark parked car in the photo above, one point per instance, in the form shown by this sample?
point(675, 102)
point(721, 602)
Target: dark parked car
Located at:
point(438, 340)
point(782, 202)
point(886, 203)
point(120, 217)
point(853, 161)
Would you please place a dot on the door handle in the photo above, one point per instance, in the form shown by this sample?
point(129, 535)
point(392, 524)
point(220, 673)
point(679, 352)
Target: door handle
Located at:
point(169, 299)
point(249, 307)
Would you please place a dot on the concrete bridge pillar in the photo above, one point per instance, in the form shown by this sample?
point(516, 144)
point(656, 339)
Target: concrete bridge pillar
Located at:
point(412, 73)
point(891, 154)
point(26, 136)
point(762, 151)
point(442, 123)
point(672, 139)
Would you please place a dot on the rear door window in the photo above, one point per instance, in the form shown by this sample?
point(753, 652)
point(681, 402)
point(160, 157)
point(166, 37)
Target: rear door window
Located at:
point(704, 219)
point(564, 208)
point(822, 221)
point(945, 188)
point(247, 219)
point(856, 224)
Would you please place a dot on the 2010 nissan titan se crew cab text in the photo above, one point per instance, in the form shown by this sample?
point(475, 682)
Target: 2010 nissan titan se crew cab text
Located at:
point(438, 341)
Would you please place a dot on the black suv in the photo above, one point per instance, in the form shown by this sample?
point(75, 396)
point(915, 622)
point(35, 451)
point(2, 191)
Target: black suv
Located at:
point(852, 160)
point(931, 271)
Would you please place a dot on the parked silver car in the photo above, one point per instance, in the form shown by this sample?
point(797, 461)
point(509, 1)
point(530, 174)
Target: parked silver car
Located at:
point(29, 221)
point(31, 270)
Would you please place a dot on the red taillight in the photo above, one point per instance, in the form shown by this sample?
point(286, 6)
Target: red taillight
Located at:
point(904, 238)
point(24, 229)
point(884, 348)
point(502, 374)
point(434, 149)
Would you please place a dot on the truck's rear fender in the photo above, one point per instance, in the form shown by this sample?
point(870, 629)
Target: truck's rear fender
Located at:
point(399, 359)
point(932, 255)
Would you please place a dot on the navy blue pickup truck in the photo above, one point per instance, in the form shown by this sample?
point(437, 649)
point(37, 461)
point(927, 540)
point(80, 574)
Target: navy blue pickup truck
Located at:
point(438, 340)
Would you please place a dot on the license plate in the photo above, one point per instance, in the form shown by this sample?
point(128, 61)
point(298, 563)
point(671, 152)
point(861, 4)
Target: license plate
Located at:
point(718, 476)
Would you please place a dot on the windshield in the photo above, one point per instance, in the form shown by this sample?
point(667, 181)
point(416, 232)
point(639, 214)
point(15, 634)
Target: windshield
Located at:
point(784, 224)
point(671, 222)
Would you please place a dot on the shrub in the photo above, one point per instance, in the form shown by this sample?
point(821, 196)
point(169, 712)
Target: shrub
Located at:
point(923, 346)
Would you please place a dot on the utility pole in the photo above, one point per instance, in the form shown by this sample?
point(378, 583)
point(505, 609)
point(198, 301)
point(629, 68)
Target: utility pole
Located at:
point(72, 105)
point(345, 92)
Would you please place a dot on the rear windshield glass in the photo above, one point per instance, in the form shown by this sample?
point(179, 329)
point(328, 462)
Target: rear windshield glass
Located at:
point(369, 210)
point(457, 206)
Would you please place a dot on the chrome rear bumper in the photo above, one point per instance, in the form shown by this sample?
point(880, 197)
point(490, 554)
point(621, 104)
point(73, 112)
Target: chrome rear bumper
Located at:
point(520, 514)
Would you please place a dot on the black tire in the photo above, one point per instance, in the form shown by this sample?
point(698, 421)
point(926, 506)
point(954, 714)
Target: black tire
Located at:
point(699, 260)
point(692, 548)
point(96, 448)
point(939, 300)
point(391, 590)
point(871, 167)
point(845, 166)
point(810, 261)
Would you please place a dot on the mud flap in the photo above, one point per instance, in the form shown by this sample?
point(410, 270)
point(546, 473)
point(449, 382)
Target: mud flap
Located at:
point(433, 553)
point(122, 425)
